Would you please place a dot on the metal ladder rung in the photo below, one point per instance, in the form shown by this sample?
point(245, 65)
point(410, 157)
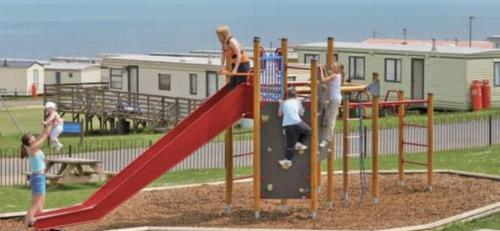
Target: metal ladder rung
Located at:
point(354, 137)
point(415, 144)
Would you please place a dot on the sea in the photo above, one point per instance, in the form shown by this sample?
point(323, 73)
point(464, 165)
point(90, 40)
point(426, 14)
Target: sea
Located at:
point(39, 29)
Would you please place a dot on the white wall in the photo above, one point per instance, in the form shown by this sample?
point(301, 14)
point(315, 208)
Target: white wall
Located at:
point(88, 75)
point(14, 79)
point(149, 80)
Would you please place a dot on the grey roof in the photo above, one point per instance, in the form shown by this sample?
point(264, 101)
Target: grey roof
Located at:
point(70, 66)
point(398, 48)
point(18, 63)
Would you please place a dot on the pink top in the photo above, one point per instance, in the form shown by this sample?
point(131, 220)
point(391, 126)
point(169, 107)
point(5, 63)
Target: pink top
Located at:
point(55, 119)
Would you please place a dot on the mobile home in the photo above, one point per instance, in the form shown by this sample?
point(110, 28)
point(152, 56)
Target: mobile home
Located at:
point(19, 76)
point(417, 70)
point(72, 72)
point(174, 76)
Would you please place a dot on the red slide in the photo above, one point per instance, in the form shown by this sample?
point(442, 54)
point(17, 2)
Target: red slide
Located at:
point(218, 113)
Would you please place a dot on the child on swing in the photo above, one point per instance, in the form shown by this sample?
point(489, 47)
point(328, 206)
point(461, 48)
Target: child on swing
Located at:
point(56, 122)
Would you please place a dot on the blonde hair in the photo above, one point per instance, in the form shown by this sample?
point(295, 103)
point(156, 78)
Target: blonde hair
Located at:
point(223, 33)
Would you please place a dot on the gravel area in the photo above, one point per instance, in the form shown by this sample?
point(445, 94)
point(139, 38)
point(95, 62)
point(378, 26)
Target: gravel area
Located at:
point(399, 206)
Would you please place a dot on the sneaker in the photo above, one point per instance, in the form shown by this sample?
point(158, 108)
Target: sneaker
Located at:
point(323, 143)
point(59, 147)
point(285, 164)
point(299, 146)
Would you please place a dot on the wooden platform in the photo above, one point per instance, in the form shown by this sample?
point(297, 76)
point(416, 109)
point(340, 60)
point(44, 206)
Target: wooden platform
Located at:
point(112, 108)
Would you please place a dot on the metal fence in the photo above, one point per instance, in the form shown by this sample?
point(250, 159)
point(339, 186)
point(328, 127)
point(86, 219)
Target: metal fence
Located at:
point(116, 154)
point(450, 134)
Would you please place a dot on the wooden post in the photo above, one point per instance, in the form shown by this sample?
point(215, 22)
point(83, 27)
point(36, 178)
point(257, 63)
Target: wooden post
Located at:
point(314, 138)
point(345, 151)
point(401, 135)
point(330, 168)
point(256, 127)
point(284, 53)
point(228, 163)
point(331, 145)
point(330, 58)
point(375, 143)
point(430, 141)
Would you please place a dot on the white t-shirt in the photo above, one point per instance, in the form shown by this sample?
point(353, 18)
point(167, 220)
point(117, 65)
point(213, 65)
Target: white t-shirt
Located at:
point(292, 110)
point(334, 88)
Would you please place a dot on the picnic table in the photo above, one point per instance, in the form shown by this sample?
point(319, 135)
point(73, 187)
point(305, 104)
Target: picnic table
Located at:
point(74, 170)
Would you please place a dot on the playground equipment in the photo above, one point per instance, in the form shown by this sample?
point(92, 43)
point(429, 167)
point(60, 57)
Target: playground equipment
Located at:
point(257, 99)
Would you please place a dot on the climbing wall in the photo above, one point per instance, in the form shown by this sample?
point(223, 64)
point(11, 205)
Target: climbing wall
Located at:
point(277, 183)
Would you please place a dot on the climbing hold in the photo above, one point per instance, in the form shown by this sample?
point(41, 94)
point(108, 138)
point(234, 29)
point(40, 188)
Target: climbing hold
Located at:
point(264, 118)
point(269, 149)
point(301, 190)
point(285, 166)
point(269, 187)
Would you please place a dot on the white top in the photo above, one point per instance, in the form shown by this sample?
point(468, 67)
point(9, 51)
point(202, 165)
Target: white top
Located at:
point(292, 110)
point(334, 88)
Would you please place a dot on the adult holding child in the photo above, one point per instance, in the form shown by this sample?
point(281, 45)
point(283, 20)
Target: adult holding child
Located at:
point(31, 149)
point(240, 62)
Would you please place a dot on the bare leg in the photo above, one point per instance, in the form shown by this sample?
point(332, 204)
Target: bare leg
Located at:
point(37, 202)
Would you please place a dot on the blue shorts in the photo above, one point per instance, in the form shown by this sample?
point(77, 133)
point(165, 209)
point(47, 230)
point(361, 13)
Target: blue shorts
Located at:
point(37, 183)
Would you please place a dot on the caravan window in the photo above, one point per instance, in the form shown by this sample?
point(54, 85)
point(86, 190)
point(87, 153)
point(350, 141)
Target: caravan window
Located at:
point(193, 84)
point(356, 68)
point(393, 70)
point(116, 81)
point(164, 81)
point(497, 74)
point(309, 57)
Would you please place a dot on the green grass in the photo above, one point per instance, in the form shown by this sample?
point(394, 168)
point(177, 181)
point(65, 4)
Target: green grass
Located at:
point(490, 222)
point(31, 119)
point(482, 160)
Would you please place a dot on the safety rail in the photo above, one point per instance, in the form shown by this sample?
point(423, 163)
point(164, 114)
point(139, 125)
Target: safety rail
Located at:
point(96, 99)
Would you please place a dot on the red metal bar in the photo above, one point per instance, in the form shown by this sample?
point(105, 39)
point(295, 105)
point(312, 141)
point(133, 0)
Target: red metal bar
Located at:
point(415, 162)
point(415, 144)
point(416, 125)
point(242, 177)
point(243, 154)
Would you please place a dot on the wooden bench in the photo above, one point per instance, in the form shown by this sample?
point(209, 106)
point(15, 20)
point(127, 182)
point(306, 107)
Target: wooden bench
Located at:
point(109, 175)
point(53, 179)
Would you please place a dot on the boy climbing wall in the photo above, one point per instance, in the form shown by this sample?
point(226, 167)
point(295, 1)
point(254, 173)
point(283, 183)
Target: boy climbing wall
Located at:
point(297, 132)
